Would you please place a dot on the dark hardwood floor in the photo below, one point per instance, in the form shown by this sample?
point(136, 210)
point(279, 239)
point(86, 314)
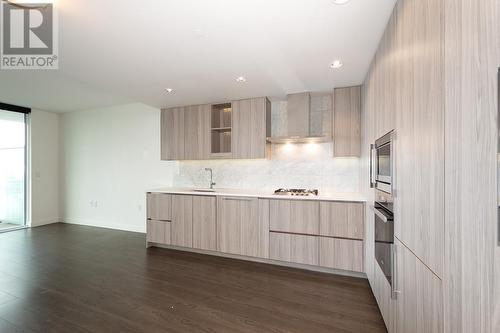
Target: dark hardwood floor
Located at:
point(67, 278)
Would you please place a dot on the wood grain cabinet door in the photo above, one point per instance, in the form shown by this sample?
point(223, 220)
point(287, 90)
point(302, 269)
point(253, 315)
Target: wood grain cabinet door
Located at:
point(182, 220)
point(347, 122)
point(251, 126)
point(300, 249)
point(239, 228)
point(172, 134)
point(158, 232)
point(419, 305)
point(301, 217)
point(159, 206)
point(346, 254)
point(204, 223)
point(342, 219)
point(197, 132)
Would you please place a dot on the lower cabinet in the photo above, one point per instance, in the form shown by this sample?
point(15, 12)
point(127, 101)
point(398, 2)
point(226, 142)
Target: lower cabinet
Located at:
point(418, 305)
point(382, 292)
point(285, 230)
point(240, 227)
point(204, 223)
point(182, 220)
point(300, 249)
point(340, 253)
point(158, 232)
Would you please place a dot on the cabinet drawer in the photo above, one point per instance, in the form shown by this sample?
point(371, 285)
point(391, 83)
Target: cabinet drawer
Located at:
point(300, 217)
point(293, 248)
point(342, 219)
point(159, 206)
point(158, 232)
point(338, 253)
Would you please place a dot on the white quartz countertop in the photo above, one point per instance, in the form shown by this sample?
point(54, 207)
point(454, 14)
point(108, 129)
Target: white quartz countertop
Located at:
point(267, 194)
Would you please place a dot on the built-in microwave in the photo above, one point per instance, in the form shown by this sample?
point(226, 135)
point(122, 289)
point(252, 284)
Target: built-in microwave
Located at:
point(381, 164)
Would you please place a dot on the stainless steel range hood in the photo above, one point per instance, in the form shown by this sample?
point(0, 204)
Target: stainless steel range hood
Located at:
point(299, 122)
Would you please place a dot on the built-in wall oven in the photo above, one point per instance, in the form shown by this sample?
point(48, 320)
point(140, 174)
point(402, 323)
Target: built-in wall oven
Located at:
point(384, 241)
point(382, 179)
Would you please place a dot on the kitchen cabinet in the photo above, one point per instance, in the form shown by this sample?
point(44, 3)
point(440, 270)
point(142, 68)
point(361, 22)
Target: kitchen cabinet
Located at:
point(419, 303)
point(382, 292)
point(279, 229)
point(347, 122)
point(294, 216)
point(346, 254)
point(221, 130)
point(229, 130)
point(300, 249)
point(204, 223)
point(172, 134)
point(341, 219)
point(197, 132)
point(239, 229)
point(419, 205)
point(251, 127)
point(159, 206)
point(182, 220)
point(158, 232)
point(185, 133)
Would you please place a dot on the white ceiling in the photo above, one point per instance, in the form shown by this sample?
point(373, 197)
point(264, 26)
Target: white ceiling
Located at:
point(119, 51)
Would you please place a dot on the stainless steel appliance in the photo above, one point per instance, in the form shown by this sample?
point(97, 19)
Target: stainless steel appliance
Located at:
point(296, 192)
point(384, 242)
point(382, 163)
point(382, 178)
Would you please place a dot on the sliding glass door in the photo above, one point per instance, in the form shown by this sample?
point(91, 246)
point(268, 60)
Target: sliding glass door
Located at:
point(12, 170)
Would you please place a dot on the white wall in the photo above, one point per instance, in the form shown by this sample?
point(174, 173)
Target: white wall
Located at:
point(109, 158)
point(44, 157)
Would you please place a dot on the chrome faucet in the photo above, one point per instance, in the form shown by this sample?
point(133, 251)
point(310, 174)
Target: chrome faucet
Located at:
point(211, 178)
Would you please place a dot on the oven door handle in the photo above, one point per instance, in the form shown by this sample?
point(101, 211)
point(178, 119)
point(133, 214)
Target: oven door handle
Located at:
point(380, 215)
point(393, 163)
point(372, 166)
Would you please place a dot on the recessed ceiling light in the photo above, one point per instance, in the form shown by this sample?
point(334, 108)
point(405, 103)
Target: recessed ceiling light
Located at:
point(241, 79)
point(169, 90)
point(336, 64)
point(340, 2)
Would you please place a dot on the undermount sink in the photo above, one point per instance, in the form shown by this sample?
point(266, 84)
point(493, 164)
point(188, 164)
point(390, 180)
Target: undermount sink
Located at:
point(204, 190)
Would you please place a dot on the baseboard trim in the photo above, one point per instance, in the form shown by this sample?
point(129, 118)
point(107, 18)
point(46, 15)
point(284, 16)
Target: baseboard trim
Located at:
point(100, 224)
point(39, 223)
point(264, 261)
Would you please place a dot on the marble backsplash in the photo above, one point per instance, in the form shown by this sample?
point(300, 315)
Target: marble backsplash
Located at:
point(309, 165)
point(291, 166)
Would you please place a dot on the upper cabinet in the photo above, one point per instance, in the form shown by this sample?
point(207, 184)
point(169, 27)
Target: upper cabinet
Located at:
point(172, 134)
point(221, 130)
point(251, 127)
point(229, 130)
point(347, 122)
point(196, 132)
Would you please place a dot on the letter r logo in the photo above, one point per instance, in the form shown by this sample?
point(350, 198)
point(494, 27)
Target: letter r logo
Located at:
point(27, 30)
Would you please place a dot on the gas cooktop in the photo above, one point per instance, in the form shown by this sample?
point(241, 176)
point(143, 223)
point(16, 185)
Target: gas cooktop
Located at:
point(295, 191)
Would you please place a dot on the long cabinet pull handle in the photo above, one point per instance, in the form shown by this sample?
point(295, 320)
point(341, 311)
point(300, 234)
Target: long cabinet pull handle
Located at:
point(394, 269)
point(238, 199)
point(372, 166)
point(393, 163)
